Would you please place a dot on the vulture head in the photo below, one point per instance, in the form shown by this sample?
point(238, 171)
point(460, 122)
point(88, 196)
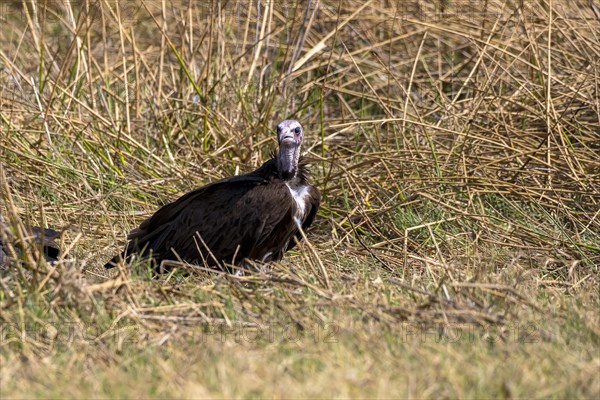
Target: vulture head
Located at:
point(289, 136)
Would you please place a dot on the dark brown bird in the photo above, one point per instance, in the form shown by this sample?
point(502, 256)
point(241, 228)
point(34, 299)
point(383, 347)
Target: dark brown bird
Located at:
point(44, 237)
point(256, 216)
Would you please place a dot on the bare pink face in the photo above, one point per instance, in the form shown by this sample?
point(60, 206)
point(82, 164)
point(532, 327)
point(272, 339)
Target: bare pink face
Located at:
point(289, 133)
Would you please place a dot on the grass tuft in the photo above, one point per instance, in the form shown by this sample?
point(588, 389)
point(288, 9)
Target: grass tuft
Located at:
point(456, 148)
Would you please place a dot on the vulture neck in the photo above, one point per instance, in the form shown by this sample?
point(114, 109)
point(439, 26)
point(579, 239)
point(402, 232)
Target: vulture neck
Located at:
point(287, 160)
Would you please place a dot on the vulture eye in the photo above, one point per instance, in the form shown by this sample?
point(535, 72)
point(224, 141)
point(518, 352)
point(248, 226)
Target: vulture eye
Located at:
point(278, 130)
point(297, 130)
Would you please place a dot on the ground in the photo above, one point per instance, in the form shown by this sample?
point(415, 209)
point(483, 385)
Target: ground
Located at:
point(457, 249)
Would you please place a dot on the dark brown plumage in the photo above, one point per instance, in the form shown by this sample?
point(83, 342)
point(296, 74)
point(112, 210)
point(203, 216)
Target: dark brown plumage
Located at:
point(255, 216)
point(43, 237)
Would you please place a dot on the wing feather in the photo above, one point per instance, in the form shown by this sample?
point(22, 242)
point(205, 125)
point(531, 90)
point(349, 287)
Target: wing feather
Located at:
point(225, 215)
point(251, 216)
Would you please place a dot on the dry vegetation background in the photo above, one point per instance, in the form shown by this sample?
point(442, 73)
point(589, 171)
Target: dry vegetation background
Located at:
point(456, 145)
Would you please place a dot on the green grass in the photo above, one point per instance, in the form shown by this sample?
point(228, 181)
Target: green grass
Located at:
point(457, 155)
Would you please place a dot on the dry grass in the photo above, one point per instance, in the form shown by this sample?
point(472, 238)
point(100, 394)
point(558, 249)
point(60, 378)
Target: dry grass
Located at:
point(456, 145)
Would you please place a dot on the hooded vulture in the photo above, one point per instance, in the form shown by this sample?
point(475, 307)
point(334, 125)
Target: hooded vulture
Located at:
point(256, 216)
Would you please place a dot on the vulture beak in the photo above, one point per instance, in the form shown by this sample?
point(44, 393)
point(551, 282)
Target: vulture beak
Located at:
point(287, 140)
